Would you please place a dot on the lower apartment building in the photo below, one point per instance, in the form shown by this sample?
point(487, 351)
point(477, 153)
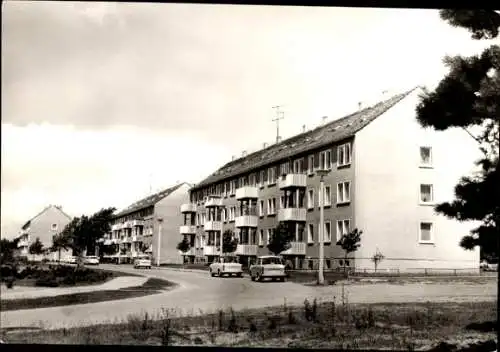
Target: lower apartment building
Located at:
point(45, 225)
point(149, 226)
point(382, 173)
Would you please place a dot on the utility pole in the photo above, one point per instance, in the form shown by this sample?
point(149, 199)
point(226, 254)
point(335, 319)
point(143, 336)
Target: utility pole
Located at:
point(160, 220)
point(279, 116)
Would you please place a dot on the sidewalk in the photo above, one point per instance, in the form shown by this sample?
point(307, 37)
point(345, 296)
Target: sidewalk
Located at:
point(18, 292)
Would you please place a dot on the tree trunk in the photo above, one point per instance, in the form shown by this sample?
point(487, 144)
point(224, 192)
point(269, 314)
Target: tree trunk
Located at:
point(59, 257)
point(346, 273)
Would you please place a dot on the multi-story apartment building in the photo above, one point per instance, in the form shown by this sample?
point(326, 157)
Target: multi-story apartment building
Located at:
point(136, 229)
point(384, 175)
point(49, 222)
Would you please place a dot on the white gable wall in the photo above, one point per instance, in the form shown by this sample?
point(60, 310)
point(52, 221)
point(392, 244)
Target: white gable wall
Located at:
point(387, 191)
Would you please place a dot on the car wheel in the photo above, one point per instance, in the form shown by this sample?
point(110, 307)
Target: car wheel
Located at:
point(238, 275)
point(252, 277)
point(218, 273)
point(211, 273)
point(282, 279)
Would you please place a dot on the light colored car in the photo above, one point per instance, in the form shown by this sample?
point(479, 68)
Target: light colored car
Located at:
point(70, 259)
point(485, 266)
point(142, 261)
point(91, 260)
point(268, 266)
point(226, 265)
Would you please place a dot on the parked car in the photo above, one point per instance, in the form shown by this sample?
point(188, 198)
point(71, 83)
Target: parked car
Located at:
point(70, 260)
point(486, 266)
point(268, 266)
point(91, 260)
point(142, 261)
point(226, 265)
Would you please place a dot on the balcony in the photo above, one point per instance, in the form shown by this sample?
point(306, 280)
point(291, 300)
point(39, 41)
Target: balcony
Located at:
point(293, 180)
point(213, 226)
point(246, 249)
point(191, 251)
point(116, 227)
point(292, 214)
point(247, 221)
point(247, 192)
point(188, 208)
point(137, 223)
point(213, 202)
point(187, 229)
point(211, 250)
point(297, 248)
point(126, 239)
point(127, 225)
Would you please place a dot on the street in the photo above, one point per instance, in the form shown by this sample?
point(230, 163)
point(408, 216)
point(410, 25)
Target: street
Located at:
point(198, 291)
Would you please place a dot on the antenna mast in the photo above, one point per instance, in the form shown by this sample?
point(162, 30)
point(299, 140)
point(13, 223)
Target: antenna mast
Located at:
point(279, 116)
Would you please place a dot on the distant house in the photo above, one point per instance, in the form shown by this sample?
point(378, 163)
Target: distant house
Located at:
point(135, 229)
point(49, 222)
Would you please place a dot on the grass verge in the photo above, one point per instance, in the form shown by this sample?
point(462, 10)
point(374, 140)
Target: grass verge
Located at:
point(314, 325)
point(151, 286)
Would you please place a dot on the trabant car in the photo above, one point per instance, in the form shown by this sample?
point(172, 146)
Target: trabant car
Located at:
point(268, 266)
point(226, 265)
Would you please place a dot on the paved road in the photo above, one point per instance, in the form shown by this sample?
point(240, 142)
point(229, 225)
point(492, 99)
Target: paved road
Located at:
point(199, 291)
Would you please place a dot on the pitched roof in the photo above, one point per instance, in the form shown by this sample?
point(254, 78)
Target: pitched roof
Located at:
point(329, 133)
point(148, 201)
point(27, 224)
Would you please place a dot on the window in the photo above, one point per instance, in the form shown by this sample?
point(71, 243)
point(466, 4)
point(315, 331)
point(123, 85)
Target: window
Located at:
point(426, 233)
point(310, 233)
point(284, 168)
point(310, 164)
point(269, 235)
point(344, 192)
point(342, 228)
point(327, 233)
point(54, 227)
point(425, 157)
point(327, 196)
point(282, 202)
point(298, 166)
point(344, 154)
point(261, 208)
point(253, 180)
point(271, 176)
point(310, 198)
point(271, 206)
point(426, 195)
point(233, 187)
point(325, 160)
point(262, 178)
point(261, 238)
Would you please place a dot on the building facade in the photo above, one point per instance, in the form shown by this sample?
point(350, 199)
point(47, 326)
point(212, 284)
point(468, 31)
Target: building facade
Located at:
point(146, 226)
point(384, 174)
point(45, 225)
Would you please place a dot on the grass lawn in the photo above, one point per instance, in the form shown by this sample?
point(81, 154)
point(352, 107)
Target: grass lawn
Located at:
point(406, 326)
point(151, 286)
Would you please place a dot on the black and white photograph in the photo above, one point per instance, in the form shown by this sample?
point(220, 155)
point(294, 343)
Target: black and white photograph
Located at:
point(238, 175)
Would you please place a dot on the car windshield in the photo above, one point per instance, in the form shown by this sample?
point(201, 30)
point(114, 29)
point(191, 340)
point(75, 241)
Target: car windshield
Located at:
point(142, 257)
point(271, 260)
point(230, 260)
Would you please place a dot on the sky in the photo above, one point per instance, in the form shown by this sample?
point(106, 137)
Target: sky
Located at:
point(104, 103)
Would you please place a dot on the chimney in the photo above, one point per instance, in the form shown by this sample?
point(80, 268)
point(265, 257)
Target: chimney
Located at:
point(233, 157)
point(303, 128)
point(360, 104)
point(244, 153)
point(324, 119)
point(264, 145)
point(278, 139)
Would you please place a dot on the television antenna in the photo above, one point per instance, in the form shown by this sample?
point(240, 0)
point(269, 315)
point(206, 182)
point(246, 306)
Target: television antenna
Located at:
point(280, 115)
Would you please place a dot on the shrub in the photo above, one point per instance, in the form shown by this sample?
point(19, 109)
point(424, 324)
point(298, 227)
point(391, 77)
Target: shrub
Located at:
point(47, 282)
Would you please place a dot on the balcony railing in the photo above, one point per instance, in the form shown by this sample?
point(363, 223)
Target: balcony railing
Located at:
point(246, 249)
point(213, 202)
point(188, 208)
point(213, 226)
point(127, 224)
point(297, 248)
point(247, 221)
point(116, 227)
point(292, 214)
point(127, 239)
point(211, 250)
point(247, 192)
point(137, 222)
point(191, 251)
point(293, 180)
point(187, 229)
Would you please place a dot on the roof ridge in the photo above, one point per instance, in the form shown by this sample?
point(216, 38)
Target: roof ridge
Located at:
point(300, 142)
